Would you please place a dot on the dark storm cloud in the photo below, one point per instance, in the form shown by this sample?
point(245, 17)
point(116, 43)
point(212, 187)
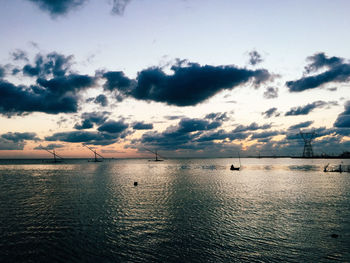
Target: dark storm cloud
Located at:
point(343, 120)
point(336, 70)
point(50, 96)
point(58, 7)
point(304, 110)
point(251, 127)
point(300, 125)
point(113, 126)
point(254, 58)
point(271, 93)
point(271, 112)
point(52, 64)
point(142, 126)
point(95, 138)
point(189, 84)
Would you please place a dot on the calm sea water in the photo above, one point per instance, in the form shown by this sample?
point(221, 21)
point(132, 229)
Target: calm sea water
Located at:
point(194, 210)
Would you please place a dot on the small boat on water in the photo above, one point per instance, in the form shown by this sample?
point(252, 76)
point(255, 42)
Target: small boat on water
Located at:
point(156, 154)
point(56, 157)
point(95, 160)
point(233, 168)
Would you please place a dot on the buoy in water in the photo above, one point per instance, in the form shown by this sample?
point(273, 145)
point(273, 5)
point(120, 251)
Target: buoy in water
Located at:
point(135, 183)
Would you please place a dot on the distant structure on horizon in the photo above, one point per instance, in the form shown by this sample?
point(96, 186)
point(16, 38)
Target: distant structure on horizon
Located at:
point(308, 137)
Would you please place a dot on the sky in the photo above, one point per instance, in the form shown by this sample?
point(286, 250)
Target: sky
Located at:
point(188, 78)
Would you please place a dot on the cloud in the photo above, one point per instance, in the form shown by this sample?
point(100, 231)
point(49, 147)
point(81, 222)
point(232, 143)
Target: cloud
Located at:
point(20, 136)
point(52, 64)
point(56, 89)
point(219, 116)
point(90, 137)
point(102, 100)
point(52, 96)
point(119, 6)
point(85, 124)
point(189, 84)
point(174, 117)
point(300, 125)
point(116, 80)
point(50, 146)
point(254, 58)
point(320, 60)
point(91, 118)
point(336, 70)
point(113, 126)
point(182, 136)
point(57, 8)
point(264, 135)
point(16, 140)
point(271, 112)
point(306, 109)
point(343, 120)
point(251, 127)
point(142, 126)
point(19, 55)
point(62, 7)
point(10, 145)
point(271, 93)
point(187, 125)
point(2, 72)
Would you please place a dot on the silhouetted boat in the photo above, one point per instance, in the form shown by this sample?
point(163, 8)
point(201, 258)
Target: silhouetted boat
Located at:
point(96, 160)
point(156, 154)
point(55, 155)
point(233, 168)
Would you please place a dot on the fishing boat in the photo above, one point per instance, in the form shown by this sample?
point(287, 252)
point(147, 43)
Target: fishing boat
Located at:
point(56, 157)
point(95, 153)
point(233, 168)
point(156, 156)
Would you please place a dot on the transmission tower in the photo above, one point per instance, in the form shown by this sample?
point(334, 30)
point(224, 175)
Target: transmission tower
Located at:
point(307, 137)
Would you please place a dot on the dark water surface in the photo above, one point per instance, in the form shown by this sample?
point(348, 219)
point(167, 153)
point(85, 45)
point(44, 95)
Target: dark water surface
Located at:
point(195, 210)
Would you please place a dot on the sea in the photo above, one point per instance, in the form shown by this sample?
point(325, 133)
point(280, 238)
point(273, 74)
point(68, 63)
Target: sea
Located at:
point(181, 210)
